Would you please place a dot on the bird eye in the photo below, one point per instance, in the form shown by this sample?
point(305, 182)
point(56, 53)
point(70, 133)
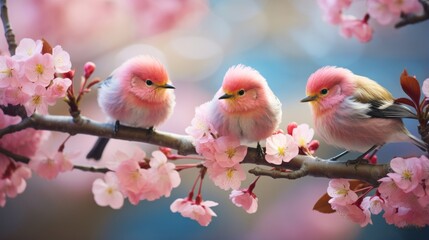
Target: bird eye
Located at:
point(241, 92)
point(324, 91)
point(149, 82)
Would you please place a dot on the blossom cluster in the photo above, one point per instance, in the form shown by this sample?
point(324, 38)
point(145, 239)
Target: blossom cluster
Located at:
point(403, 195)
point(33, 76)
point(137, 178)
point(13, 175)
point(384, 11)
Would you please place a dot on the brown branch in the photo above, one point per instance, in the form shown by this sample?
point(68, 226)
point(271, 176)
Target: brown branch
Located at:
point(276, 173)
point(412, 18)
point(8, 33)
point(315, 166)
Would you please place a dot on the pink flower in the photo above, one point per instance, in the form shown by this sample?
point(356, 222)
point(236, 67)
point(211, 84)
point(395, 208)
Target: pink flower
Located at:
point(302, 135)
point(226, 178)
point(131, 176)
point(19, 92)
point(280, 148)
point(407, 173)
point(355, 214)
point(27, 48)
point(374, 204)
point(9, 71)
point(62, 62)
point(202, 212)
point(245, 199)
point(58, 88)
point(425, 88)
point(40, 69)
point(201, 128)
point(332, 9)
point(180, 204)
point(405, 6)
point(229, 152)
point(107, 193)
point(39, 101)
point(49, 165)
point(342, 195)
point(380, 10)
point(352, 27)
point(13, 182)
point(163, 177)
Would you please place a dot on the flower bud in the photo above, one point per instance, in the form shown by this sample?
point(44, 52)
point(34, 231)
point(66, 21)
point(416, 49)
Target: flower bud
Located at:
point(290, 127)
point(89, 68)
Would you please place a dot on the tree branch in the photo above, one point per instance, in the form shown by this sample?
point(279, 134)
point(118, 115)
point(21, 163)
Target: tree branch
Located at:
point(10, 37)
point(315, 166)
point(412, 19)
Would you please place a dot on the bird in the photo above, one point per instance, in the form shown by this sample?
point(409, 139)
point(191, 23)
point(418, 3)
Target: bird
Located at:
point(138, 93)
point(356, 113)
point(245, 107)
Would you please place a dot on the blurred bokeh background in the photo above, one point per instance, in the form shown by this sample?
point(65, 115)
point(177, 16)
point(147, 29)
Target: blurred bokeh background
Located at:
point(199, 40)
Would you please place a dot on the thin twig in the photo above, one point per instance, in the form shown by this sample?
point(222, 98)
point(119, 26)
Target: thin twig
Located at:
point(8, 33)
point(412, 18)
point(276, 173)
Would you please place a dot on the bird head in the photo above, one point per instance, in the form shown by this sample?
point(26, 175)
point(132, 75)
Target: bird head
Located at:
point(328, 86)
point(243, 89)
point(146, 78)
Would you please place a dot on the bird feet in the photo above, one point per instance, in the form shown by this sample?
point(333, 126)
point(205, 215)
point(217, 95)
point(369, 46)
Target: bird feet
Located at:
point(335, 158)
point(116, 128)
point(260, 150)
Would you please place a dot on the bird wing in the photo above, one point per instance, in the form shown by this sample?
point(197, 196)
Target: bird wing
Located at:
point(380, 100)
point(106, 81)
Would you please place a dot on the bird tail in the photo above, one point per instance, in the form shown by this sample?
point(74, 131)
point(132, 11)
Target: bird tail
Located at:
point(418, 142)
point(98, 148)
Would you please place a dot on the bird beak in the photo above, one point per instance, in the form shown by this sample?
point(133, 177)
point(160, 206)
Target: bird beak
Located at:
point(167, 86)
point(226, 96)
point(309, 98)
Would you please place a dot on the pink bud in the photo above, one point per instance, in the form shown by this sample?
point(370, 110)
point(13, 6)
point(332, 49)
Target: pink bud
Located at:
point(165, 150)
point(372, 160)
point(89, 68)
point(69, 74)
point(313, 146)
point(291, 126)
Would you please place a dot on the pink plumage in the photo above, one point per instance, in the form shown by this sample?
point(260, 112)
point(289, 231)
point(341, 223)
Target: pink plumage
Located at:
point(355, 112)
point(245, 107)
point(138, 94)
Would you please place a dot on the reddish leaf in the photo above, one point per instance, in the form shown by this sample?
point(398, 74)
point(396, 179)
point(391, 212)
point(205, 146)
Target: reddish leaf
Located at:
point(46, 47)
point(411, 87)
point(322, 204)
point(405, 101)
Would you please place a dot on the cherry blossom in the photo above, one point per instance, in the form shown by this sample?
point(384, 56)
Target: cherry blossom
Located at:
point(332, 9)
point(280, 148)
point(350, 26)
point(13, 181)
point(107, 192)
point(162, 176)
point(425, 88)
point(40, 69)
point(355, 214)
point(49, 165)
point(58, 88)
point(180, 204)
point(200, 212)
point(133, 179)
point(380, 10)
point(407, 173)
point(27, 48)
point(245, 199)
point(229, 152)
point(302, 134)
point(62, 62)
point(339, 190)
point(226, 178)
point(9, 71)
point(374, 204)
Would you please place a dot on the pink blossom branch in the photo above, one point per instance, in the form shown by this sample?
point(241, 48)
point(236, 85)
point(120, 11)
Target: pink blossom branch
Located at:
point(183, 144)
point(24, 159)
point(412, 19)
point(8, 33)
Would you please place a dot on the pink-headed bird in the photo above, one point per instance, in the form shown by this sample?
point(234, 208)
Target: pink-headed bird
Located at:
point(245, 107)
point(354, 112)
point(138, 93)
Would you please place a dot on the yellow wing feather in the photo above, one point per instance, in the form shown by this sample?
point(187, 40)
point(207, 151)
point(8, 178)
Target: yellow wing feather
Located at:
point(368, 90)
